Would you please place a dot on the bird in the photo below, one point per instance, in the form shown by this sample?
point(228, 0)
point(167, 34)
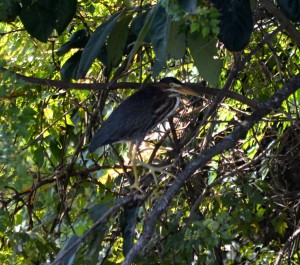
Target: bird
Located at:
point(137, 115)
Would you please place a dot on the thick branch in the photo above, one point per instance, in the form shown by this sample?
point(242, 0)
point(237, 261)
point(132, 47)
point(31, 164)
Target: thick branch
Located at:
point(124, 85)
point(227, 143)
point(68, 85)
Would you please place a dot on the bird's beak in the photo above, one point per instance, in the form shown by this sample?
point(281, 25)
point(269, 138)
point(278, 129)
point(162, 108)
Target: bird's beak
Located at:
point(185, 90)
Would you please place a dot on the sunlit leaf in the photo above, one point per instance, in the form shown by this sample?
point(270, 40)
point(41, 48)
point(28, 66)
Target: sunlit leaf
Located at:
point(203, 51)
point(176, 41)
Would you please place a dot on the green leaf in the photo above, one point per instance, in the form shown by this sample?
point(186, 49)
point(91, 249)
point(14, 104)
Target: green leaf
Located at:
point(189, 6)
point(94, 45)
point(128, 224)
point(66, 10)
point(176, 41)
point(203, 51)
point(69, 258)
point(93, 246)
point(69, 69)
point(9, 9)
point(236, 23)
point(142, 35)
point(27, 115)
point(77, 40)
point(291, 9)
point(38, 156)
point(137, 25)
point(117, 41)
point(55, 149)
point(98, 210)
point(159, 34)
point(38, 18)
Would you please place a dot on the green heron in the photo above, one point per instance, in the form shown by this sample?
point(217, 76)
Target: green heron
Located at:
point(141, 112)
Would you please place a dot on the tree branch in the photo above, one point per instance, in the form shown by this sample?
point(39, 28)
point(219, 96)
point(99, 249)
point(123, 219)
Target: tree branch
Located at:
point(284, 21)
point(201, 89)
point(228, 142)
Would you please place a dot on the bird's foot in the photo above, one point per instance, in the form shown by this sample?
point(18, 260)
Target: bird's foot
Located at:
point(153, 169)
point(135, 186)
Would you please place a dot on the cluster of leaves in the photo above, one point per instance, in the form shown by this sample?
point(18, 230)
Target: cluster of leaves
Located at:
point(61, 204)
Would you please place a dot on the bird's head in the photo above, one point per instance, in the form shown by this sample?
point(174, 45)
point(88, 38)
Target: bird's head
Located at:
point(173, 85)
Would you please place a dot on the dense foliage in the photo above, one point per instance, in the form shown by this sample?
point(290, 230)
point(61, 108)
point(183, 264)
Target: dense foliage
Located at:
point(225, 188)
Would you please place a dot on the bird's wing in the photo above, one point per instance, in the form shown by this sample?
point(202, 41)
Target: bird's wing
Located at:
point(132, 119)
point(126, 122)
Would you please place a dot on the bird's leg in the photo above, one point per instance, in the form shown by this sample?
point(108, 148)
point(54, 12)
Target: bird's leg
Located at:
point(133, 150)
point(153, 169)
point(133, 153)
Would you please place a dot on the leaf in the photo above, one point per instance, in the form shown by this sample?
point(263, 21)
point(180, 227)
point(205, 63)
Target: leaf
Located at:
point(128, 223)
point(98, 210)
point(69, 258)
point(176, 41)
point(9, 9)
point(69, 69)
point(137, 25)
point(93, 246)
point(189, 6)
point(159, 34)
point(291, 9)
point(94, 45)
point(77, 40)
point(202, 51)
point(55, 149)
point(38, 18)
point(66, 10)
point(236, 23)
point(117, 40)
point(141, 37)
point(38, 156)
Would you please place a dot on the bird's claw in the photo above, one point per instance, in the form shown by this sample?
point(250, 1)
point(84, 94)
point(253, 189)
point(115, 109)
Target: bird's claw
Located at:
point(154, 169)
point(135, 186)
